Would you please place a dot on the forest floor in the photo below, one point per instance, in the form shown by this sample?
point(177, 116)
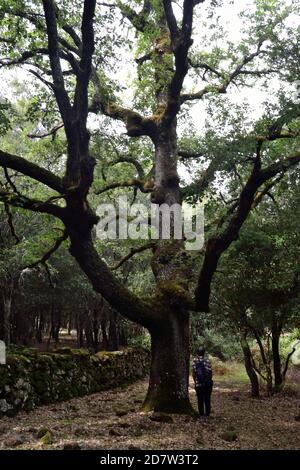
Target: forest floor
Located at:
point(112, 420)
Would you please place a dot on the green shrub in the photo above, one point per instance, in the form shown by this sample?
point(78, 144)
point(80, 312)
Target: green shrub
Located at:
point(141, 341)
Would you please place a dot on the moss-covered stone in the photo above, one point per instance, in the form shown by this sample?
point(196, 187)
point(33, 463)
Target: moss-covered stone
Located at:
point(47, 439)
point(31, 378)
point(42, 431)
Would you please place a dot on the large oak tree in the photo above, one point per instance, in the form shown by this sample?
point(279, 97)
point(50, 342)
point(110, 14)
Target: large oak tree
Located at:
point(62, 44)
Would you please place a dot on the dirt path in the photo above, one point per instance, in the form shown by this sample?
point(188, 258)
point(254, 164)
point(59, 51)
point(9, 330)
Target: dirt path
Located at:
point(111, 420)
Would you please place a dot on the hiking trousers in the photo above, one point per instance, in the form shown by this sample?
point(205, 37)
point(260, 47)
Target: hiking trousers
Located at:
point(204, 398)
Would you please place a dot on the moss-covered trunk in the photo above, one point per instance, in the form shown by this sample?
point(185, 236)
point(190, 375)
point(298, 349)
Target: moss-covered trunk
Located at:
point(169, 373)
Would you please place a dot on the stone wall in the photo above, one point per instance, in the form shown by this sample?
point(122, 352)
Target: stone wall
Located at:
point(31, 378)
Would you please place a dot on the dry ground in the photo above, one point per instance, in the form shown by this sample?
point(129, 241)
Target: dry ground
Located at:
point(112, 420)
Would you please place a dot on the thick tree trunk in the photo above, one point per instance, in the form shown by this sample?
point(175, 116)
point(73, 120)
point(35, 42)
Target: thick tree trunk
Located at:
point(249, 365)
point(169, 374)
point(166, 177)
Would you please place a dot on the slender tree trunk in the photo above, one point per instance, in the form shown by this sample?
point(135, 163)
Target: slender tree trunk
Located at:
point(122, 337)
point(56, 329)
point(6, 319)
point(249, 365)
point(80, 338)
point(278, 378)
point(287, 361)
point(104, 342)
point(270, 388)
point(7, 303)
point(266, 363)
point(89, 336)
point(95, 331)
point(40, 328)
point(69, 325)
point(169, 373)
point(113, 338)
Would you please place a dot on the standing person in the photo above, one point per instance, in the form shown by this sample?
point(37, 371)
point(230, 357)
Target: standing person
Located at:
point(202, 375)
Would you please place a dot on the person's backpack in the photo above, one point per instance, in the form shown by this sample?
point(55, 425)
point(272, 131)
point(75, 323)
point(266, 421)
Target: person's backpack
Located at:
point(201, 374)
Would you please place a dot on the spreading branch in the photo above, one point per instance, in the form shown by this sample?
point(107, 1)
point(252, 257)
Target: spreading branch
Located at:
point(286, 366)
point(42, 79)
point(223, 86)
point(132, 161)
point(38, 21)
point(34, 205)
point(52, 132)
point(32, 170)
point(140, 311)
point(24, 56)
point(200, 185)
point(11, 222)
point(218, 243)
point(61, 95)
point(206, 67)
point(171, 20)
point(181, 42)
point(87, 50)
point(133, 252)
point(265, 191)
point(136, 124)
point(138, 20)
point(43, 260)
point(188, 155)
point(136, 183)
point(10, 182)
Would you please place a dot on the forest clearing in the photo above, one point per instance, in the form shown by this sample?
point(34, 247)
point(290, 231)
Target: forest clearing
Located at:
point(113, 420)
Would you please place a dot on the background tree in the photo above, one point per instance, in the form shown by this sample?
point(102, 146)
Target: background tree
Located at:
point(257, 287)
